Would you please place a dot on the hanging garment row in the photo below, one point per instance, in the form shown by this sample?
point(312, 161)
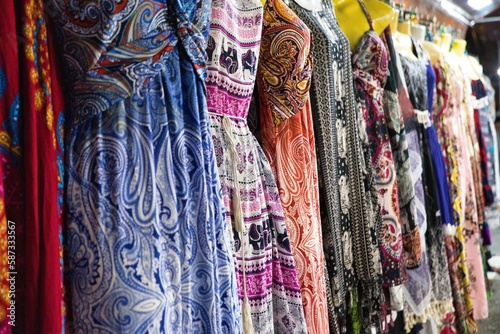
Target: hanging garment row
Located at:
point(233, 166)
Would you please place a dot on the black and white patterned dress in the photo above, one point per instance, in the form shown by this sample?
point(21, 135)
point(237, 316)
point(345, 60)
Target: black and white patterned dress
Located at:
point(348, 222)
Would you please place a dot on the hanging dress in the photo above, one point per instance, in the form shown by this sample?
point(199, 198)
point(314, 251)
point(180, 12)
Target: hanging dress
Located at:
point(148, 246)
point(451, 131)
point(473, 215)
point(417, 290)
point(480, 104)
point(474, 208)
point(370, 61)
point(265, 269)
point(349, 222)
point(394, 91)
point(438, 204)
point(286, 129)
point(487, 117)
point(435, 189)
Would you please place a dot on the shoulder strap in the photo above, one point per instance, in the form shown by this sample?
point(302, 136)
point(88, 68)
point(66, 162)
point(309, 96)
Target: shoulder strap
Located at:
point(367, 14)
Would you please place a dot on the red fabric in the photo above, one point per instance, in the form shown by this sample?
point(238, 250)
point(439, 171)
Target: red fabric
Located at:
point(42, 303)
point(10, 182)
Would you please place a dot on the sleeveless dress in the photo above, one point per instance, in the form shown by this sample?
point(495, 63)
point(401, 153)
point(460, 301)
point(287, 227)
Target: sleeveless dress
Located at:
point(286, 129)
point(348, 218)
point(370, 61)
point(438, 204)
point(265, 267)
point(417, 290)
point(472, 215)
point(487, 119)
point(451, 131)
point(394, 94)
point(439, 304)
point(148, 250)
point(480, 104)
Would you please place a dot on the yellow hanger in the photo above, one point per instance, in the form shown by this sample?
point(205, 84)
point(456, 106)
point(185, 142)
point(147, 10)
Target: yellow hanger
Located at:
point(353, 22)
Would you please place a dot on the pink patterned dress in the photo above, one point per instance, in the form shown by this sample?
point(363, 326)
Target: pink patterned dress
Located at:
point(265, 267)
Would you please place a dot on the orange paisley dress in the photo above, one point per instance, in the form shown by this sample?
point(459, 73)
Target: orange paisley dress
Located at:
point(287, 137)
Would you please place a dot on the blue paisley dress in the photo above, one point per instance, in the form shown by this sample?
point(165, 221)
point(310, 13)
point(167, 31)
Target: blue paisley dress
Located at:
point(149, 248)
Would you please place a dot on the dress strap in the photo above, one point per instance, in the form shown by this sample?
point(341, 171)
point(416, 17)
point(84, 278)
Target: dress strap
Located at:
point(367, 14)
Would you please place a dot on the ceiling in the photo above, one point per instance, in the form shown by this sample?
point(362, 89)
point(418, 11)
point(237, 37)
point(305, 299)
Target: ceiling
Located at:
point(476, 14)
point(462, 11)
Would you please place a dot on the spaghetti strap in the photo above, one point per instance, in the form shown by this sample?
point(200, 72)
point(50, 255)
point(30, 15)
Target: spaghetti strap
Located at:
point(367, 14)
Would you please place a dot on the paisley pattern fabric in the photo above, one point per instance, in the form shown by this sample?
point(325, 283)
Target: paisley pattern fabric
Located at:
point(394, 94)
point(148, 244)
point(286, 129)
point(125, 43)
point(265, 266)
point(370, 61)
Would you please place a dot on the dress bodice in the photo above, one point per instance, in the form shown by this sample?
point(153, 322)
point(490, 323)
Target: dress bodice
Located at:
point(416, 79)
point(112, 48)
point(285, 61)
point(233, 53)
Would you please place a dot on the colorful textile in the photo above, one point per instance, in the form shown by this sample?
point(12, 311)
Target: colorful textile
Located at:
point(417, 290)
point(480, 104)
point(454, 240)
point(459, 173)
point(370, 61)
point(440, 301)
point(35, 203)
point(286, 129)
point(265, 267)
point(10, 159)
point(350, 219)
point(487, 117)
point(148, 244)
point(474, 199)
point(411, 215)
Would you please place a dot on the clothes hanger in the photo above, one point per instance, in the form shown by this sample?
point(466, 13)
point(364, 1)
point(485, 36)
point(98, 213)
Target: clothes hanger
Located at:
point(349, 11)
